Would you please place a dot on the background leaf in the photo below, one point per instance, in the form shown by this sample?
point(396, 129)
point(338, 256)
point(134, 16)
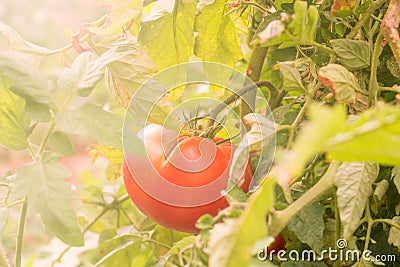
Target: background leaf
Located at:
point(291, 78)
point(92, 121)
point(340, 82)
point(126, 75)
point(61, 143)
point(42, 182)
point(394, 233)
point(20, 48)
point(29, 82)
point(83, 75)
point(174, 29)
point(14, 122)
point(309, 226)
point(354, 185)
point(353, 54)
point(396, 177)
point(217, 38)
point(4, 218)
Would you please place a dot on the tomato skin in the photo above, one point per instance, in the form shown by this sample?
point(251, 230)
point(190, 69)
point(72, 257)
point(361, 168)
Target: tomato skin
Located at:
point(277, 245)
point(194, 150)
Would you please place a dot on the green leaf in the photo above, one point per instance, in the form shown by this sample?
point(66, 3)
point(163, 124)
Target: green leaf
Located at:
point(309, 226)
point(174, 29)
point(381, 189)
point(394, 233)
point(354, 185)
point(107, 247)
point(305, 21)
point(38, 112)
point(92, 121)
point(4, 218)
point(396, 177)
point(353, 54)
point(29, 82)
point(42, 182)
point(126, 75)
point(83, 75)
point(330, 233)
point(340, 82)
point(61, 143)
point(184, 242)
point(217, 38)
point(324, 123)
point(167, 237)
point(291, 78)
point(206, 221)
point(358, 142)
point(231, 242)
point(121, 255)
point(14, 122)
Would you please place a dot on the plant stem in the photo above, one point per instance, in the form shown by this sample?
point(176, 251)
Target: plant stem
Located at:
point(20, 237)
point(301, 114)
point(373, 82)
point(280, 219)
point(254, 73)
point(257, 5)
point(276, 102)
point(338, 232)
point(369, 227)
point(390, 89)
point(364, 18)
point(46, 139)
point(329, 50)
point(217, 109)
point(387, 221)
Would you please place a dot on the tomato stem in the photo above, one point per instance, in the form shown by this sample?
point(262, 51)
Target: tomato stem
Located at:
point(233, 97)
point(20, 236)
point(280, 219)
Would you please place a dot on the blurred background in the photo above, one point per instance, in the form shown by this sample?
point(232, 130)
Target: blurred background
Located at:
point(50, 24)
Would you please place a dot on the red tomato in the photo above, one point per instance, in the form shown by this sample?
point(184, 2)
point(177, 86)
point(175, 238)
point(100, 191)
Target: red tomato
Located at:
point(175, 190)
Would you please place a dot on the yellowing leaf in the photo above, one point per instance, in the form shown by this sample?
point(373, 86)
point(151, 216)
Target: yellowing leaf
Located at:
point(112, 154)
point(13, 119)
point(113, 171)
point(342, 83)
point(125, 75)
point(342, 8)
point(168, 37)
point(217, 38)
